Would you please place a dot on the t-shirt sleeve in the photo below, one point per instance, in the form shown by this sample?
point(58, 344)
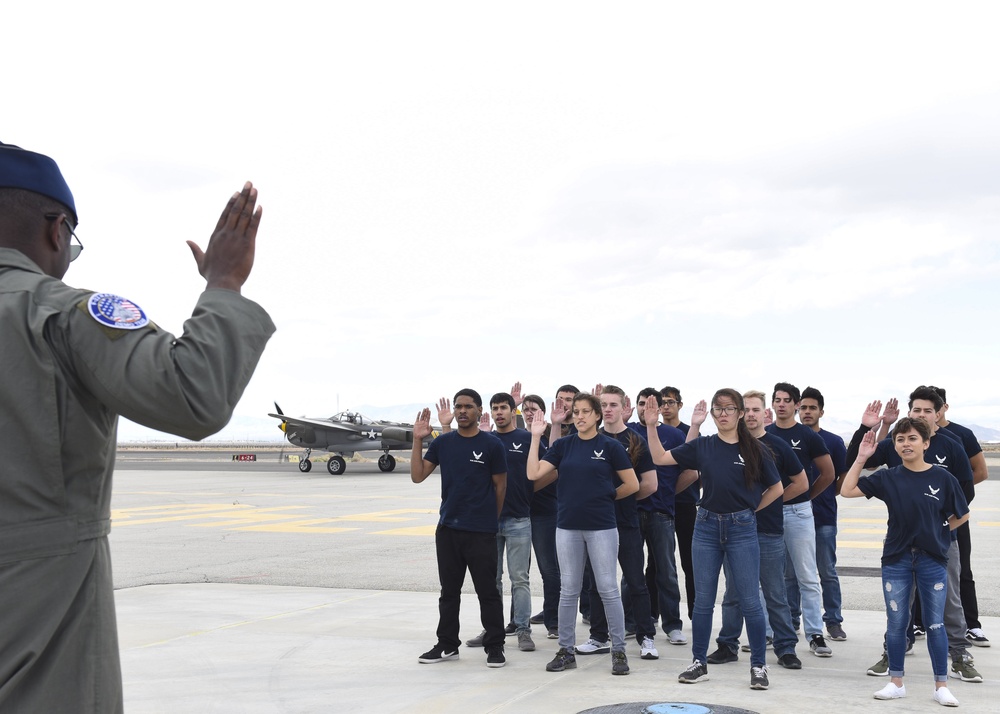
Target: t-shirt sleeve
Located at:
point(871, 485)
point(498, 457)
point(431, 454)
point(554, 453)
point(619, 457)
point(817, 447)
point(957, 504)
point(644, 462)
point(686, 455)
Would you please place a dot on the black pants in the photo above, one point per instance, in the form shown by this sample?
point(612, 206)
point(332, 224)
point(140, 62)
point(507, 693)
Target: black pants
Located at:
point(684, 517)
point(458, 551)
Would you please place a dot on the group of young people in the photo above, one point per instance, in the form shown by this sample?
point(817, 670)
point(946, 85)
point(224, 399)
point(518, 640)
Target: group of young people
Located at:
point(591, 491)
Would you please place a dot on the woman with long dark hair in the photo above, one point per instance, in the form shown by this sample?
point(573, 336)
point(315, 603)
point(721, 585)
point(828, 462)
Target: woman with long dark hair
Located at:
point(738, 478)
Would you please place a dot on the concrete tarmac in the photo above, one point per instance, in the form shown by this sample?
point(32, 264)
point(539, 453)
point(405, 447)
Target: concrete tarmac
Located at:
point(254, 588)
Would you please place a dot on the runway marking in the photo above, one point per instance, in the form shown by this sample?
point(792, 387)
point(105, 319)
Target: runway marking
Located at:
point(411, 531)
point(386, 516)
point(866, 545)
point(242, 513)
point(307, 526)
point(861, 520)
point(863, 531)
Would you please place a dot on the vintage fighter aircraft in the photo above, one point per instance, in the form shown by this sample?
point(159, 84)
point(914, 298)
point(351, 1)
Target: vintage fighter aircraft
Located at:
point(345, 433)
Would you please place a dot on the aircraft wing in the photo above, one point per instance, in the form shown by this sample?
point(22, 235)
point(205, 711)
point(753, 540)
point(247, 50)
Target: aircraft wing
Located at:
point(317, 423)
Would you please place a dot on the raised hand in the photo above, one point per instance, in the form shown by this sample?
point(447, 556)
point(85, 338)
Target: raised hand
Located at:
point(228, 259)
point(559, 413)
point(422, 425)
point(891, 412)
point(700, 413)
point(445, 417)
point(515, 392)
point(484, 421)
point(871, 417)
point(598, 388)
point(538, 425)
point(768, 416)
point(627, 409)
point(650, 412)
point(867, 446)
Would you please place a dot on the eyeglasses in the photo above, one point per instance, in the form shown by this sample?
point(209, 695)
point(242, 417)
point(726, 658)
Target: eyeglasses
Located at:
point(669, 403)
point(74, 249)
point(728, 411)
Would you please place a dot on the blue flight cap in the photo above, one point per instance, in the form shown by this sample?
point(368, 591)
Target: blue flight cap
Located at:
point(34, 172)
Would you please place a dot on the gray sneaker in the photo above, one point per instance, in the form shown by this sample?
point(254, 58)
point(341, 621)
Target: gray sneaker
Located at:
point(476, 641)
point(593, 646)
point(619, 663)
point(819, 647)
point(697, 672)
point(524, 641)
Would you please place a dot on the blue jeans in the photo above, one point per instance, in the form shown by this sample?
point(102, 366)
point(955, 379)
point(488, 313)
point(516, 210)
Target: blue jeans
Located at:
point(601, 548)
point(897, 589)
point(658, 532)
point(633, 592)
point(826, 564)
point(800, 565)
point(732, 536)
point(514, 535)
point(543, 538)
point(772, 587)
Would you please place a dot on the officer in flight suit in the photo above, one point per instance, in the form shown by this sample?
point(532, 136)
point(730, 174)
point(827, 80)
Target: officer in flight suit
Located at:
point(71, 361)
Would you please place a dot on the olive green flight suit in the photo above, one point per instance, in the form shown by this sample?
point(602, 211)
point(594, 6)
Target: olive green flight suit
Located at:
point(64, 379)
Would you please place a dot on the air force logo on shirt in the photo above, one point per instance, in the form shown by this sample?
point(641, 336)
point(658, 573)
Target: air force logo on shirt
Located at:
point(516, 449)
point(933, 492)
point(795, 444)
point(477, 457)
point(941, 460)
point(598, 456)
point(117, 312)
point(741, 462)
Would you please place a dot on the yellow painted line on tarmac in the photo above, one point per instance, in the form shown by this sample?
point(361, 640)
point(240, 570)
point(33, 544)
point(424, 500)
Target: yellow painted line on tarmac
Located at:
point(862, 544)
point(861, 520)
point(412, 531)
point(241, 512)
point(990, 524)
point(387, 516)
point(306, 526)
point(862, 531)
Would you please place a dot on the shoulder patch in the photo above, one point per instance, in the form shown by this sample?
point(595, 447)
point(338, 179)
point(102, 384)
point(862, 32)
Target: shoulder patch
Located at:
point(116, 312)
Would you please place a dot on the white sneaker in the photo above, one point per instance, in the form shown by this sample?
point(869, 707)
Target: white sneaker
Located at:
point(676, 637)
point(890, 691)
point(945, 698)
point(593, 646)
point(648, 650)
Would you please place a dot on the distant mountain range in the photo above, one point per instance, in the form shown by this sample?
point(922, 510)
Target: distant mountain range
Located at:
point(263, 428)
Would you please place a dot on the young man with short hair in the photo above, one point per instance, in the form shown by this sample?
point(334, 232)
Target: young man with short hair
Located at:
point(800, 528)
point(473, 486)
point(824, 505)
point(970, 603)
point(686, 500)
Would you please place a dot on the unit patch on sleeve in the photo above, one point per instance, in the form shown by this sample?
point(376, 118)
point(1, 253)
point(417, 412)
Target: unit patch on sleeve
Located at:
point(116, 312)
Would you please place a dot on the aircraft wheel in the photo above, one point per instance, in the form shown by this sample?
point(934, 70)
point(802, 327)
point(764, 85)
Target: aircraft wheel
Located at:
point(386, 462)
point(336, 465)
point(305, 465)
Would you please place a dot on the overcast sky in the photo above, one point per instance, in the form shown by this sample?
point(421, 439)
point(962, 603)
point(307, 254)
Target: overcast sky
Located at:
point(465, 194)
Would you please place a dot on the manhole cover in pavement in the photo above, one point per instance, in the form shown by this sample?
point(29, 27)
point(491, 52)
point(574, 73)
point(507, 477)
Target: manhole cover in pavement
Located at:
point(665, 708)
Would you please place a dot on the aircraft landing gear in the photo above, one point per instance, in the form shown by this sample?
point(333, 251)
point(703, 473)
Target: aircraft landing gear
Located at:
point(305, 465)
point(336, 465)
point(386, 463)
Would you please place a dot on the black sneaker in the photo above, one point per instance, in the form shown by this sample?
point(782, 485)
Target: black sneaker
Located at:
point(976, 636)
point(722, 655)
point(790, 661)
point(758, 678)
point(619, 663)
point(837, 633)
point(918, 632)
point(697, 672)
point(563, 660)
point(511, 629)
point(819, 647)
point(438, 653)
point(494, 656)
point(537, 619)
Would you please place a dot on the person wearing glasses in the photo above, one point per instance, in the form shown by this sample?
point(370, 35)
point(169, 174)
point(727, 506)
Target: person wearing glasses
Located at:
point(73, 361)
point(587, 464)
point(738, 478)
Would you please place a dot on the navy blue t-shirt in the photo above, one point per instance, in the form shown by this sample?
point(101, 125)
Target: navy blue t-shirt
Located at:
point(825, 504)
point(807, 445)
point(626, 509)
point(662, 500)
point(721, 467)
point(771, 519)
point(587, 480)
point(517, 501)
point(468, 464)
point(945, 450)
point(919, 504)
point(692, 493)
point(543, 501)
point(965, 435)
